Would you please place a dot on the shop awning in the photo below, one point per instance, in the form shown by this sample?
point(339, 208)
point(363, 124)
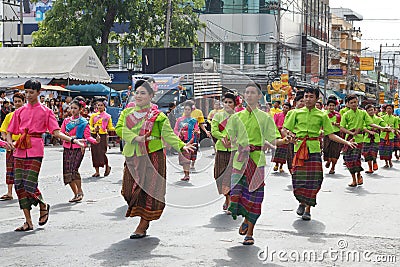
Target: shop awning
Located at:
point(95, 89)
point(19, 82)
point(78, 63)
point(321, 43)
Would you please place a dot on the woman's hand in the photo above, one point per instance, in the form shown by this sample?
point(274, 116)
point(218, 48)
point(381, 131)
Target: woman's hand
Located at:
point(98, 139)
point(189, 147)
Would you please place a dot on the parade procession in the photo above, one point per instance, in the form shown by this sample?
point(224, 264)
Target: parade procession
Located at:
point(198, 133)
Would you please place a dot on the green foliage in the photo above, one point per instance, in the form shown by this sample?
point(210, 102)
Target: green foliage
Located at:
point(84, 22)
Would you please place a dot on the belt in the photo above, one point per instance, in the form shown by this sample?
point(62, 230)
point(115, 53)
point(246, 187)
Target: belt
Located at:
point(244, 151)
point(24, 142)
point(302, 154)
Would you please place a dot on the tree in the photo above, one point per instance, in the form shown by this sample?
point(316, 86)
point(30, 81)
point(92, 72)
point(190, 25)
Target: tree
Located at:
point(83, 22)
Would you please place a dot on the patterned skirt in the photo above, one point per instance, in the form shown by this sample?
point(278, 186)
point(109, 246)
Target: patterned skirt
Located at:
point(144, 185)
point(386, 149)
point(99, 151)
point(289, 157)
point(244, 202)
point(332, 149)
point(9, 167)
point(396, 143)
point(26, 181)
point(370, 151)
point(352, 158)
point(280, 154)
point(307, 179)
point(186, 157)
point(223, 171)
point(72, 159)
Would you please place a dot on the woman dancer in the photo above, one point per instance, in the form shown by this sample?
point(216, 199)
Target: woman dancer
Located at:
point(76, 127)
point(386, 145)
point(100, 124)
point(188, 131)
point(224, 150)
point(144, 128)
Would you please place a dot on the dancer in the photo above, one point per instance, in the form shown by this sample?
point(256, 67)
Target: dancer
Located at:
point(371, 140)
point(76, 127)
point(31, 121)
point(100, 124)
point(253, 131)
point(305, 124)
point(280, 153)
point(386, 145)
point(144, 128)
point(19, 100)
point(353, 124)
point(331, 148)
point(188, 131)
point(224, 149)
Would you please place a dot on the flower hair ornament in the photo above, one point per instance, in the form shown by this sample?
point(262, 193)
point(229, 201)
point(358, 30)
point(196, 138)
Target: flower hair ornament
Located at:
point(82, 103)
point(239, 100)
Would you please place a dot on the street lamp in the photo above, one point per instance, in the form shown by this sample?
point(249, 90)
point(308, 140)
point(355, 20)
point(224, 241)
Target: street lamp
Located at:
point(130, 65)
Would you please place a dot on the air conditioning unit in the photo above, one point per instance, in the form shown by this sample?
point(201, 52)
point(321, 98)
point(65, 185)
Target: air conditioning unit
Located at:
point(209, 65)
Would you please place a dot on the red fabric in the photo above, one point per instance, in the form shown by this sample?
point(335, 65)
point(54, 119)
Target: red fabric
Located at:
point(302, 153)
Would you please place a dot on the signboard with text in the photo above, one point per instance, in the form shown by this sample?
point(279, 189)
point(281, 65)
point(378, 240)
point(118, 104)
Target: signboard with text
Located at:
point(367, 63)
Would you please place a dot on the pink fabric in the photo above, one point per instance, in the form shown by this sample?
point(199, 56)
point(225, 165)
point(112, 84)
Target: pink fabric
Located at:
point(37, 119)
point(238, 109)
point(86, 134)
point(279, 119)
point(105, 117)
point(176, 128)
point(3, 143)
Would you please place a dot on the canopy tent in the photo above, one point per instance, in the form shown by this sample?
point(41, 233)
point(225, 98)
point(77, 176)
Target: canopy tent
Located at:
point(78, 63)
point(94, 89)
point(6, 83)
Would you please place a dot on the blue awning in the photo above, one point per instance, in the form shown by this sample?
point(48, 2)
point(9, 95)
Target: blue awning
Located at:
point(94, 89)
point(340, 95)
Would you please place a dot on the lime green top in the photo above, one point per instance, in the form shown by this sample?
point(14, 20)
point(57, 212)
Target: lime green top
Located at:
point(378, 121)
point(304, 122)
point(215, 131)
point(161, 129)
point(358, 119)
point(391, 121)
point(333, 120)
point(252, 128)
point(343, 110)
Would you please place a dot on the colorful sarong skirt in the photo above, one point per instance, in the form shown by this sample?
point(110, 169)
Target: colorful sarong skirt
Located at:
point(386, 149)
point(280, 154)
point(331, 149)
point(186, 157)
point(244, 202)
point(223, 171)
point(144, 185)
point(99, 151)
point(72, 159)
point(396, 143)
point(26, 181)
point(370, 151)
point(307, 179)
point(9, 167)
point(352, 158)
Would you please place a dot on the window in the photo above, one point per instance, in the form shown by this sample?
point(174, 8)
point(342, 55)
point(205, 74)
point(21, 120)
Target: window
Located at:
point(199, 52)
point(261, 54)
point(214, 51)
point(232, 53)
point(249, 53)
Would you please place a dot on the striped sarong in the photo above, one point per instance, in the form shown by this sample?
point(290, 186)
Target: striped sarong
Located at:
point(280, 154)
point(289, 156)
point(99, 151)
point(396, 143)
point(26, 181)
point(72, 159)
point(144, 185)
point(223, 171)
point(352, 158)
point(244, 202)
point(9, 167)
point(186, 157)
point(331, 148)
point(370, 151)
point(307, 179)
point(386, 149)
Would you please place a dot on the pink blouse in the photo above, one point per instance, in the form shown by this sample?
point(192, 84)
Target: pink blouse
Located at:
point(86, 134)
point(37, 119)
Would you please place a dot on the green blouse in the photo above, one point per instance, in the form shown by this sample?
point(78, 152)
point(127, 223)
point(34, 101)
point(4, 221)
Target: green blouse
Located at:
point(358, 119)
point(391, 121)
point(215, 131)
point(161, 131)
point(378, 121)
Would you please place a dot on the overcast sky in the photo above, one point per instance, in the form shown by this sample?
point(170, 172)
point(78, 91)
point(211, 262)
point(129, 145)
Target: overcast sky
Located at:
point(374, 30)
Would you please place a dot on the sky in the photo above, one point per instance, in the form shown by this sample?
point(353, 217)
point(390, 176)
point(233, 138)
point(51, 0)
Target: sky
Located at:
point(375, 31)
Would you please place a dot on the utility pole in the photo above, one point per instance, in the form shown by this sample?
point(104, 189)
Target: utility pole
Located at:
point(348, 72)
point(326, 59)
point(278, 39)
point(378, 69)
point(168, 24)
point(392, 80)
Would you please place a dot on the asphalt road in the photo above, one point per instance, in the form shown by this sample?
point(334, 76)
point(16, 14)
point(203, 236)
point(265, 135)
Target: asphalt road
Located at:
point(349, 226)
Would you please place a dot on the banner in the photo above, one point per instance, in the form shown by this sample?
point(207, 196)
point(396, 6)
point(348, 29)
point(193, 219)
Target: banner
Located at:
point(367, 63)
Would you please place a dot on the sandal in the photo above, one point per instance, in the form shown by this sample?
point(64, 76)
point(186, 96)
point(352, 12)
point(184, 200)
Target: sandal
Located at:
point(243, 229)
point(248, 240)
point(186, 178)
point(276, 168)
point(6, 197)
point(137, 236)
point(96, 175)
point(331, 172)
point(360, 180)
point(44, 215)
point(23, 228)
point(352, 185)
point(108, 170)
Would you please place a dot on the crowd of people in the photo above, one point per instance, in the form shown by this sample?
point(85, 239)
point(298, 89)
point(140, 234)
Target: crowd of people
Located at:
point(301, 134)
